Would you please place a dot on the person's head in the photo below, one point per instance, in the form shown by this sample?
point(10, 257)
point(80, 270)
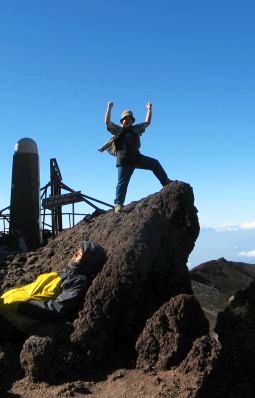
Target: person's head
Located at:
point(127, 118)
point(91, 255)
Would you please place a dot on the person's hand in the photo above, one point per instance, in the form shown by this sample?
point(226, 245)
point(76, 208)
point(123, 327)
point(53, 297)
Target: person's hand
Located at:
point(110, 104)
point(148, 105)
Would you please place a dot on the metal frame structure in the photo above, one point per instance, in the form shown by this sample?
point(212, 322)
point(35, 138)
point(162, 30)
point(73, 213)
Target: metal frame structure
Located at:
point(53, 199)
point(5, 219)
point(56, 200)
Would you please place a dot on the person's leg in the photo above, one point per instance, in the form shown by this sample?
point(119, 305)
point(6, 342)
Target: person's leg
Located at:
point(147, 163)
point(124, 175)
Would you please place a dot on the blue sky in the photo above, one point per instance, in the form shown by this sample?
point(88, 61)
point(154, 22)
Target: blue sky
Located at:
point(61, 61)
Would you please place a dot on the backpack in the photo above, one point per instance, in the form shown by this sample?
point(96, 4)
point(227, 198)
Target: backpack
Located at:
point(112, 149)
point(110, 146)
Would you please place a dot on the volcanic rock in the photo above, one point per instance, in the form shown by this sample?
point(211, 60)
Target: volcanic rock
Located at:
point(49, 343)
point(214, 282)
point(36, 355)
point(148, 245)
point(202, 357)
point(142, 298)
point(170, 332)
point(236, 330)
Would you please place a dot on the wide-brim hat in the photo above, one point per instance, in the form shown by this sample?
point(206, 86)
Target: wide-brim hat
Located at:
point(125, 114)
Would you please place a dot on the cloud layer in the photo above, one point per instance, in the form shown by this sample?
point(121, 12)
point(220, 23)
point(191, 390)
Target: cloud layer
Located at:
point(234, 242)
point(248, 225)
point(232, 227)
point(249, 254)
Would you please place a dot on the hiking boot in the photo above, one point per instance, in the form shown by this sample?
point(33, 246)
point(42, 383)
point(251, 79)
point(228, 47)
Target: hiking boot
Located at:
point(168, 181)
point(118, 208)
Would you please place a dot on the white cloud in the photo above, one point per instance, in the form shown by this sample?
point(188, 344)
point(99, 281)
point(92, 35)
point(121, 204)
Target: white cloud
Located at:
point(250, 253)
point(227, 227)
point(222, 227)
point(248, 225)
point(231, 227)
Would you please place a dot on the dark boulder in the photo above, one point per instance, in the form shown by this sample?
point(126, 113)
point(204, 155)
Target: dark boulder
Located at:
point(203, 363)
point(170, 332)
point(37, 356)
point(202, 358)
point(148, 245)
point(49, 343)
point(236, 330)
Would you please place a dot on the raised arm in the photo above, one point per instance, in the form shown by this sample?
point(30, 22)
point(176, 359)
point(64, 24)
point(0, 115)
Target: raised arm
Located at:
point(149, 113)
point(108, 114)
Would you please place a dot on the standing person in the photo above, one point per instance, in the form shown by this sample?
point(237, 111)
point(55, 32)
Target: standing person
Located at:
point(126, 139)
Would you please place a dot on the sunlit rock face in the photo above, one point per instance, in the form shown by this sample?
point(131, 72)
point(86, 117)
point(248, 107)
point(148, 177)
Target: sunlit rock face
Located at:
point(148, 245)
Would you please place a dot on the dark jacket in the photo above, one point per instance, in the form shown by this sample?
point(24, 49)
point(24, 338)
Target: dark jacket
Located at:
point(73, 288)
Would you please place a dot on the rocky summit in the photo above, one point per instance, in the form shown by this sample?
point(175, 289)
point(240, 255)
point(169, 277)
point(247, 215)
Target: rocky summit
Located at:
point(140, 331)
point(216, 281)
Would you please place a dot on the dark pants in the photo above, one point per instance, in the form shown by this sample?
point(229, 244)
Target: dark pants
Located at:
point(125, 173)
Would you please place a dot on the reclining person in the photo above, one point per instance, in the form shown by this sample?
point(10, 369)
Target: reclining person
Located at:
point(53, 296)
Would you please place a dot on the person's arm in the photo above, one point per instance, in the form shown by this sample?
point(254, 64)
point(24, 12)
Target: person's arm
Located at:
point(108, 115)
point(140, 128)
point(148, 114)
point(73, 291)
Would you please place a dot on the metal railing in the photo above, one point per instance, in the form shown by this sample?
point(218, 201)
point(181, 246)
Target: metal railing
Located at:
point(53, 201)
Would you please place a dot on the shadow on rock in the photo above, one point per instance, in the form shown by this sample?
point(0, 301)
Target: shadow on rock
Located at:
point(236, 330)
point(169, 334)
point(10, 369)
point(148, 245)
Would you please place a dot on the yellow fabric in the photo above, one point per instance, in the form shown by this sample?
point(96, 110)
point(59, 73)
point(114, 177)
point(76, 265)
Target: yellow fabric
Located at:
point(45, 287)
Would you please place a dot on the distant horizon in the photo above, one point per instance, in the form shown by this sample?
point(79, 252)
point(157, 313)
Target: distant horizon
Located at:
point(234, 244)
